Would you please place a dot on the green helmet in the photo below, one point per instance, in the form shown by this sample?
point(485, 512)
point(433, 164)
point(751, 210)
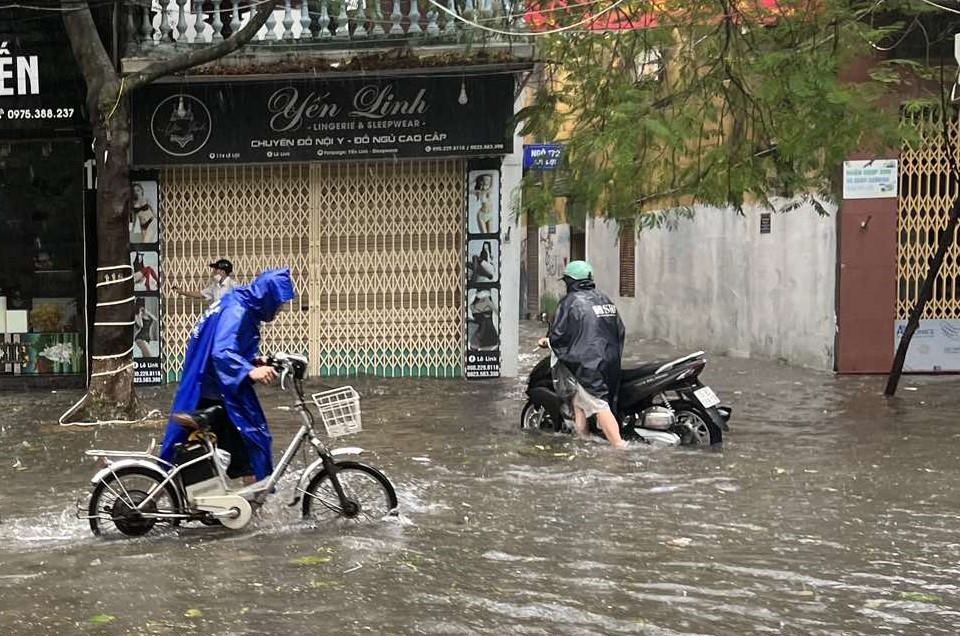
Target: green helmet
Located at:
point(578, 270)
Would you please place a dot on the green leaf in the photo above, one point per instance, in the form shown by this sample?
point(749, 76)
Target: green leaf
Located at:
point(921, 597)
point(310, 560)
point(102, 619)
point(193, 613)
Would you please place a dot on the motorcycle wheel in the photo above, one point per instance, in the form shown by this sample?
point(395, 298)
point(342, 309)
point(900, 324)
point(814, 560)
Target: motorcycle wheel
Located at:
point(695, 426)
point(529, 415)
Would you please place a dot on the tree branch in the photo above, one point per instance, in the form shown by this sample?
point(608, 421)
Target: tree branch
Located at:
point(88, 49)
point(206, 54)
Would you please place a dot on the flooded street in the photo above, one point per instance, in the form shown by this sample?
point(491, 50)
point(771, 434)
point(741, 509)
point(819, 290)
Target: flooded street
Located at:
point(828, 511)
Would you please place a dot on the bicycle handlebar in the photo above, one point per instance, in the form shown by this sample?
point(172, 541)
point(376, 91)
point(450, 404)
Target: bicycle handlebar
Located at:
point(284, 364)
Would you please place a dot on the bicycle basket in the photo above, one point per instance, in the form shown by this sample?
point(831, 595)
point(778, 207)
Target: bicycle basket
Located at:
point(339, 410)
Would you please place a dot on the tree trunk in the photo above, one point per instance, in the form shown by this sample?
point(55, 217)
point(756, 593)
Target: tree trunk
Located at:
point(946, 240)
point(112, 395)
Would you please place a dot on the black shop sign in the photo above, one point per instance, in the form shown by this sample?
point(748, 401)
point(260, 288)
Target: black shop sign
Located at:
point(41, 90)
point(315, 119)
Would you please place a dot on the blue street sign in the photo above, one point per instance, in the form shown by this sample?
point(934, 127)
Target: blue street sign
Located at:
point(542, 156)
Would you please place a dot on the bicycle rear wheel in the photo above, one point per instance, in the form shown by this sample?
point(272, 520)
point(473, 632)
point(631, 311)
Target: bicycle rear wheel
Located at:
point(113, 504)
point(370, 495)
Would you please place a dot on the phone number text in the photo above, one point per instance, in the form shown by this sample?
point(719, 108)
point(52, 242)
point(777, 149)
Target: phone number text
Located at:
point(37, 113)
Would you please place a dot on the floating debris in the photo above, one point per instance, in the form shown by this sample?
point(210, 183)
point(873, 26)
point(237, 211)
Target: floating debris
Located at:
point(102, 619)
point(310, 560)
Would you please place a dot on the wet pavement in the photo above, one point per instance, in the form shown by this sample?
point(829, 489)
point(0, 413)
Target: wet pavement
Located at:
point(829, 511)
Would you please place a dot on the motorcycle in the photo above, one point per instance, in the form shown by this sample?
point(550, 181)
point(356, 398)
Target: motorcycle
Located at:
point(660, 402)
point(137, 490)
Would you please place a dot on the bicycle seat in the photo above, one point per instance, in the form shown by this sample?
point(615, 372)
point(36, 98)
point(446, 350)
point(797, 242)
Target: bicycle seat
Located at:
point(198, 420)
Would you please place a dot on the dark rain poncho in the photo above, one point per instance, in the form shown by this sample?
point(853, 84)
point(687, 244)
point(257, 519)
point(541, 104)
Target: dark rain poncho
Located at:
point(587, 337)
point(221, 350)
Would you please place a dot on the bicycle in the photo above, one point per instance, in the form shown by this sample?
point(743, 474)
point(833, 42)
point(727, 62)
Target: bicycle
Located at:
point(137, 490)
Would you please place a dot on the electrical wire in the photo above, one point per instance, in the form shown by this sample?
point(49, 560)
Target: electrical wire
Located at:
point(129, 3)
point(941, 7)
point(886, 49)
point(562, 29)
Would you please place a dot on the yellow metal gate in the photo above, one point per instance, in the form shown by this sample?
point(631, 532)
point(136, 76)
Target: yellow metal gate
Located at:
point(375, 250)
point(386, 268)
point(926, 195)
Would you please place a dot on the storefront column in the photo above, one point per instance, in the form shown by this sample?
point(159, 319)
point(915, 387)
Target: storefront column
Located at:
point(511, 172)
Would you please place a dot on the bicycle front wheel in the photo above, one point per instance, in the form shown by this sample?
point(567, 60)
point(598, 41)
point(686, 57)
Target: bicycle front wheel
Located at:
point(369, 495)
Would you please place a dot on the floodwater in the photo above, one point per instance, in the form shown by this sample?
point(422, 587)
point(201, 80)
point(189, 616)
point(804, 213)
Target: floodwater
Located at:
point(828, 511)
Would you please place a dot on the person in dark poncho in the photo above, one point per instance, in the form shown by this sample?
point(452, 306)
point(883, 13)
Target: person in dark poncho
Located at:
point(219, 370)
point(586, 337)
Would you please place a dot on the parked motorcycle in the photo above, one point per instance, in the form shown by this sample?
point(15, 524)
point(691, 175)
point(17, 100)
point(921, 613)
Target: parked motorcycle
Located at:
point(660, 402)
point(137, 490)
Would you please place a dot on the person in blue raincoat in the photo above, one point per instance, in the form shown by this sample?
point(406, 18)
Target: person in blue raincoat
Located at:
point(219, 370)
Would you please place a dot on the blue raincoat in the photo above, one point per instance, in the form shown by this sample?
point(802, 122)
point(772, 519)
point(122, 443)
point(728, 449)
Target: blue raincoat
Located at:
point(221, 351)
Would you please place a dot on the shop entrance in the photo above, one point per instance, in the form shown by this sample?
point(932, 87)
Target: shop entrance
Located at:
point(42, 319)
point(376, 250)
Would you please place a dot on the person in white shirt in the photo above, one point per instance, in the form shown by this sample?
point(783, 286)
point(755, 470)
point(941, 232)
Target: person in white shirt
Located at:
point(222, 282)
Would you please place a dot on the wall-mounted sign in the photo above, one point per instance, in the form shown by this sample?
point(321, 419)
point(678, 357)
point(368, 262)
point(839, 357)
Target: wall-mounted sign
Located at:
point(935, 345)
point(765, 220)
point(322, 119)
point(874, 179)
point(145, 259)
point(40, 85)
point(483, 274)
point(542, 156)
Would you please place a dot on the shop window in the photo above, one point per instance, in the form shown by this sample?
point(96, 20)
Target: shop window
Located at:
point(628, 258)
point(42, 323)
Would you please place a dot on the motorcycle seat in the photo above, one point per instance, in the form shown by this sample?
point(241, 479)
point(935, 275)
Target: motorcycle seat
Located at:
point(642, 371)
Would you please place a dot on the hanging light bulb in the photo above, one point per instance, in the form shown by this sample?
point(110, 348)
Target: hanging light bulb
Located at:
point(463, 94)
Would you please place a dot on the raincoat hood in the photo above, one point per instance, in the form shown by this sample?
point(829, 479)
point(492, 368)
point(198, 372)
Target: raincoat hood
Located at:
point(579, 285)
point(219, 359)
point(266, 293)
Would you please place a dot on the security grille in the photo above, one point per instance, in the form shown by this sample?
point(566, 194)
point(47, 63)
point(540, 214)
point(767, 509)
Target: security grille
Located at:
point(386, 268)
point(927, 191)
point(376, 251)
point(255, 216)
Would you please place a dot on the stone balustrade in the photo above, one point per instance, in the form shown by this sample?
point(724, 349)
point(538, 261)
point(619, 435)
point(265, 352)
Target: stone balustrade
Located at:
point(330, 23)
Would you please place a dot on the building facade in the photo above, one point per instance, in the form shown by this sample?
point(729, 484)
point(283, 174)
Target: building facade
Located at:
point(46, 207)
point(388, 192)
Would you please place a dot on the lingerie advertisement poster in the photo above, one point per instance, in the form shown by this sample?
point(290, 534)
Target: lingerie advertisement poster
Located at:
point(145, 261)
point(483, 275)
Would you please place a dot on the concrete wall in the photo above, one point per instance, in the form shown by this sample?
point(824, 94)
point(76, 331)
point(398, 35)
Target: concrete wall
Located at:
point(716, 283)
point(554, 254)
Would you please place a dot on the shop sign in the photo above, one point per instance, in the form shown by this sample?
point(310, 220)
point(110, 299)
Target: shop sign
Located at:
point(314, 119)
point(935, 345)
point(145, 260)
point(874, 179)
point(483, 275)
point(40, 84)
